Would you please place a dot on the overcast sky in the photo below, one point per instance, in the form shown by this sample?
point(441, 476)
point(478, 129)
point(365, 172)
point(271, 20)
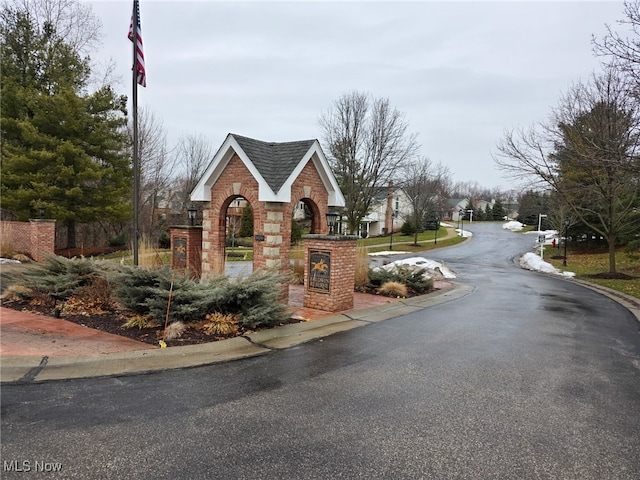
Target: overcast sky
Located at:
point(462, 72)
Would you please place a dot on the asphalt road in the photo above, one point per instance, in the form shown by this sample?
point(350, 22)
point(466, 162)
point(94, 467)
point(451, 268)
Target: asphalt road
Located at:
point(527, 377)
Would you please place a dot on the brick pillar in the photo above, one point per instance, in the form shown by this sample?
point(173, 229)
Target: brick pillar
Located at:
point(271, 242)
point(43, 238)
point(213, 243)
point(329, 272)
point(186, 250)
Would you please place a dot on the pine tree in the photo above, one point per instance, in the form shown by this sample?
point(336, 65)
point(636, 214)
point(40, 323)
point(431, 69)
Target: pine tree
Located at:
point(246, 222)
point(62, 148)
point(488, 213)
point(498, 212)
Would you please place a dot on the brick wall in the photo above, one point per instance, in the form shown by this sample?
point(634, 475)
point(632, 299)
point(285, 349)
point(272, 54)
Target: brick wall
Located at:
point(342, 250)
point(35, 238)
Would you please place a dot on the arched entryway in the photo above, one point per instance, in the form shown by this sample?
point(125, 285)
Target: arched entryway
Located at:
point(273, 178)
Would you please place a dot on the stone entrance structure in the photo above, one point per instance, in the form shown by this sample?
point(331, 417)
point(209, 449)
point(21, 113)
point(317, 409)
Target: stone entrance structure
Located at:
point(273, 178)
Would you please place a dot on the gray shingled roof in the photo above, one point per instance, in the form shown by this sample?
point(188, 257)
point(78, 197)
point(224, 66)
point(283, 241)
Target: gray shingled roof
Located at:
point(274, 161)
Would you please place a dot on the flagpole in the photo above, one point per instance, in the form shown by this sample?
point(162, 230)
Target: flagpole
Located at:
point(136, 169)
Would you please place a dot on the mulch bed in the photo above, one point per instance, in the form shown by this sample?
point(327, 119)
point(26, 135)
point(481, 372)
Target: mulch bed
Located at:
point(612, 276)
point(112, 322)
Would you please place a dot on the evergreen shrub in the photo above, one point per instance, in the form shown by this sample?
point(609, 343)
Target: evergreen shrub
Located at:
point(408, 228)
point(59, 275)
point(252, 299)
point(415, 280)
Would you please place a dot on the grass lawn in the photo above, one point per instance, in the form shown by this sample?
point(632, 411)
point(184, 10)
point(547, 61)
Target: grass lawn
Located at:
point(239, 254)
point(427, 235)
point(587, 263)
point(405, 244)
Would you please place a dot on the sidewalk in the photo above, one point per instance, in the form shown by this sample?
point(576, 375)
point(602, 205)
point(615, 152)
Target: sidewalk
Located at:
point(37, 348)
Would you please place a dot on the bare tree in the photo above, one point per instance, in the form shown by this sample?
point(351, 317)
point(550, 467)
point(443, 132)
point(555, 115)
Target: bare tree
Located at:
point(367, 141)
point(624, 51)
point(588, 154)
point(156, 166)
point(74, 22)
point(424, 184)
point(194, 154)
point(472, 190)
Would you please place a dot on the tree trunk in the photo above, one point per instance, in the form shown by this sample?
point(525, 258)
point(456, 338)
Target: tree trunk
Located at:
point(71, 233)
point(612, 253)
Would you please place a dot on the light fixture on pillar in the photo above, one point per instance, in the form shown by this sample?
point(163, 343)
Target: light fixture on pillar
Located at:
point(42, 211)
point(331, 221)
point(192, 211)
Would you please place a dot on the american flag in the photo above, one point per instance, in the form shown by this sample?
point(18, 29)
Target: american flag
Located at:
point(142, 74)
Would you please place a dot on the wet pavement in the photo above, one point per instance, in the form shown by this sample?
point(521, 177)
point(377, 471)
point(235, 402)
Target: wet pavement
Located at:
point(35, 347)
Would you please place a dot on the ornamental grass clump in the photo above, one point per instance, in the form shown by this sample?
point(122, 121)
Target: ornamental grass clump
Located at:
point(220, 324)
point(174, 330)
point(393, 289)
point(141, 321)
point(361, 277)
point(297, 264)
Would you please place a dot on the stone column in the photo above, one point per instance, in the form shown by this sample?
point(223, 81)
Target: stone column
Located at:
point(329, 272)
point(186, 250)
point(271, 245)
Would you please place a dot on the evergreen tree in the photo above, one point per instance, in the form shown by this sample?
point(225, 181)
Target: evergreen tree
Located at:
point(488, 213)
point(530, 205)
point(246, 222)
point(296, 232)
point(62, 148)
point(498, 211)
point(469, 206)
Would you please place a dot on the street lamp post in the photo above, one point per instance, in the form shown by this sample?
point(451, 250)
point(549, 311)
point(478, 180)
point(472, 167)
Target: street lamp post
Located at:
point(461, 214)
point(435, 239)
point(566, 237)
point(540, 217)
point(391, 237)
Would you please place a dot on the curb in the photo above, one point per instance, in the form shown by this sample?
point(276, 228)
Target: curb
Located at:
point(33, 369)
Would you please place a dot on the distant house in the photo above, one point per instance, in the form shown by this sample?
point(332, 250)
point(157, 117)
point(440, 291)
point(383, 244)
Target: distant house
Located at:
point(169, 205)
point(390, 208)
point(453, 207)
